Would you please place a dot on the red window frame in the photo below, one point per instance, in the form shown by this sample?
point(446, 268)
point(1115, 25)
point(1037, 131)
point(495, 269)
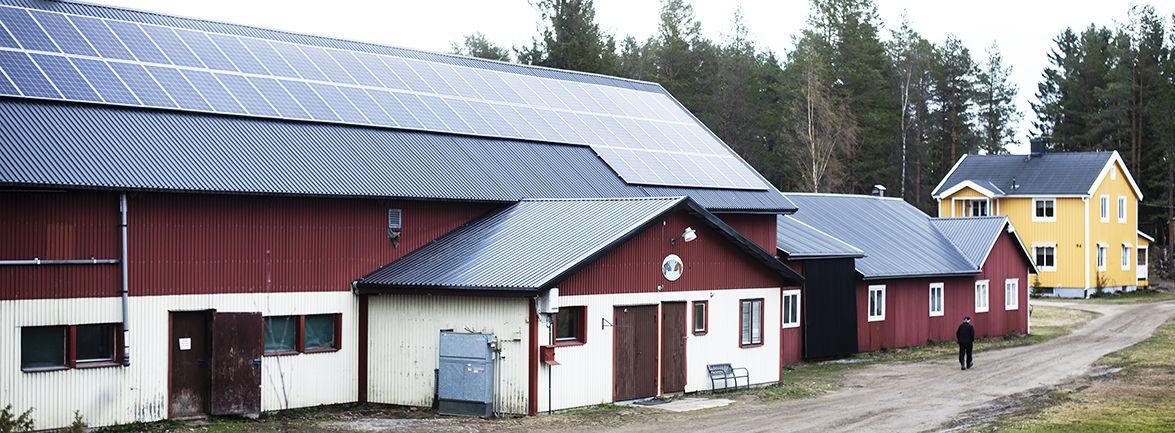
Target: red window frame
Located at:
point(705, 318)
point(762, 333)
point(580, 332)
point(71, 361)
point(300, 335)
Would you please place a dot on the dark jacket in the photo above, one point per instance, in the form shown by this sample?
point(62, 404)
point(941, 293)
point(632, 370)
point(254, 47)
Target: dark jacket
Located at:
point(965, 334)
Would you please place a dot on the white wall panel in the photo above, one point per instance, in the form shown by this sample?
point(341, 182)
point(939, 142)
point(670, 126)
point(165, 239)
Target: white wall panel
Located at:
point(404, 334)
point(111, 395)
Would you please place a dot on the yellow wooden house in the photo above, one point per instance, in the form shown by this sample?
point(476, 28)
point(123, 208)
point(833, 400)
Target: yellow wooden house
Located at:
point(1076, 212)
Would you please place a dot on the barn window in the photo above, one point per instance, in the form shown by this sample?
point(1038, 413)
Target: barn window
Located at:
point(1046, 256)
point(981, 296)
point(43, 347)
point(281, 335)
point(701, 317)
point(570, 326)
point(751, 326)
point(876, 303)
point(936, 293)
point(321, 332)
point(1101, 257)
point(96, 343)
point(791, 308)
point(1011, 294)
point(1121, 209)
point(1045, 209)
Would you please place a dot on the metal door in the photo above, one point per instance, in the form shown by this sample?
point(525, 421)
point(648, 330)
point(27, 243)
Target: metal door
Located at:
point(634, 352)
point(236, 362)
point(189, 365)
point(672, 347)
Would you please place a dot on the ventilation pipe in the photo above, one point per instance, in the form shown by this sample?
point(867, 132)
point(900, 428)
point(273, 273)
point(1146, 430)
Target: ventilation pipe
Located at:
point(1037, 146)
point(126, 321)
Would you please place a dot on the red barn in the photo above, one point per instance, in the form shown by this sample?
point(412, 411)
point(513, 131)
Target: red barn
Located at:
point(921, 275)
point(201, 218)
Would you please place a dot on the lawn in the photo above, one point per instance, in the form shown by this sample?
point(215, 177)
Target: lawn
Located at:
point(1135, 297)
point(806, 380)
point(1138, 398)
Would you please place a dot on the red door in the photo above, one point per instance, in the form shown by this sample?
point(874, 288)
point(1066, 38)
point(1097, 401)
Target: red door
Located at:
point(672, 347)
point(236, 363)
point(189, 364)
point(634, 348)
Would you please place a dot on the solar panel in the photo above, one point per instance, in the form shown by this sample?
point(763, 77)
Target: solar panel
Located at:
point(646, 137)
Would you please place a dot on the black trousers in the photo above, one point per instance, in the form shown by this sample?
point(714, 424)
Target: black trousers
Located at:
point(965, 351)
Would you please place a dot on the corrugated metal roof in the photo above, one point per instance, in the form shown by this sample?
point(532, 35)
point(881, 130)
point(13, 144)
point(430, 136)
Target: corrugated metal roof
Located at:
point(511, 250)
point(1069, 173)
point(973, 236)
point(897, 238)
point(801, 241)
point(87, 146)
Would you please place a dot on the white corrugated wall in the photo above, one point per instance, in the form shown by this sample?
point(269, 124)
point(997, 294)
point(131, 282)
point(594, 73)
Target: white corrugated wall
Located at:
point(112, 395)
point(404, 333)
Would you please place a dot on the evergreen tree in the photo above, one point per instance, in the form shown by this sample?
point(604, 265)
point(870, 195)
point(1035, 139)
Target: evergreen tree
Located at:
point(477, 45)
point(570, 39)
point(952, 122)
point(912, 56)
point(996, 101)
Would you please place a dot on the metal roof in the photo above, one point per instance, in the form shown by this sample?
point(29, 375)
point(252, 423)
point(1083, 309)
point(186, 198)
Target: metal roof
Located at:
point(973, 236)
point(87, 146)
point(511, 250)
point(1068, 173)
point(897, 238)
point(798, 240)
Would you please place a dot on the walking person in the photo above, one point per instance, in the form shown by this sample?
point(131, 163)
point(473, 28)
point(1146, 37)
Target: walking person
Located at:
point(966, 336)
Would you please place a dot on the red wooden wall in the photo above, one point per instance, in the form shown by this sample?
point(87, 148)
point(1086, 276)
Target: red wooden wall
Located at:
point(759, 228)
point(201, 243)
point(792, 349)
point(907, 304)
point(711, 262)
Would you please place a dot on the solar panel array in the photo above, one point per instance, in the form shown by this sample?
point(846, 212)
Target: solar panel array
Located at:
point(646, 137)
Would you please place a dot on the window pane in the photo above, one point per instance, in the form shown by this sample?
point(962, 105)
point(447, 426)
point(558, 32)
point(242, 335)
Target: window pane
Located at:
point(320, 332)
point(281, 333)
point(567, 323)
point(699, 317)
point(42, 346)
point(95, 342)
point(746, 322)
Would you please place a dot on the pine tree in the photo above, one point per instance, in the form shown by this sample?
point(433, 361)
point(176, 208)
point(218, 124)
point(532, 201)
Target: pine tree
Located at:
point(912, 55)
point(571, 39)
point(996, 96)
point(953, 132)
point(477, 45)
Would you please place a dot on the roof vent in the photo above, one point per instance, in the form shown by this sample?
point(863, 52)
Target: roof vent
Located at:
point(395, 223)
point(878, 190)
point(1037, 145)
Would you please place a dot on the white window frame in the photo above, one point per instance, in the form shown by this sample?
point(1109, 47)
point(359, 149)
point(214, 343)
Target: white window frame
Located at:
point(985, 306)
point(1045, 244)
point(1142, 258)
point(1047, 219)
point(940, 288)
point(869, 305)
point(799, 309)
point(968, 202)
point(1102, 250)
point(1012, 302)
point(1121, 209)
point(1113, 173)
point(1126, 256)
point(1104, 202)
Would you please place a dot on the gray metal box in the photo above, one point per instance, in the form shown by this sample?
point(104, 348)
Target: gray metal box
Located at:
point(465, 380)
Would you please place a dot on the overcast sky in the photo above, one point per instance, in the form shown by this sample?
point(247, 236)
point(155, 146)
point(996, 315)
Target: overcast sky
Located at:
point(1023, 29)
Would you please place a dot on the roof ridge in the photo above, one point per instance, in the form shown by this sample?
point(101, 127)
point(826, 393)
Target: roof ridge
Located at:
point(583, 199)
point(835, 194)
point(354, 41)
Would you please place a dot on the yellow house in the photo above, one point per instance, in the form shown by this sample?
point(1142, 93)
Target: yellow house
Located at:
point(1077, 213)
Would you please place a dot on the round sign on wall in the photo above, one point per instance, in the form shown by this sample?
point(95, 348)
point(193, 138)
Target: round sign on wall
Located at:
point(672, 267)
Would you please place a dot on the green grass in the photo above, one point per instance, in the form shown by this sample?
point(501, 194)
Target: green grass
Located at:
point(1136, 297)
point(1138, 398)
point(806, 380)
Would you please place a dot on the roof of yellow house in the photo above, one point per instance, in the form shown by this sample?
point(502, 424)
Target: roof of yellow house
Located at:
point(1047, 174)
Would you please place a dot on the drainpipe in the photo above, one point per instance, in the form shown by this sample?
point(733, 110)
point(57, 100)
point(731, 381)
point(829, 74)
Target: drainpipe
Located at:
point(126, 322)
point(36, 261)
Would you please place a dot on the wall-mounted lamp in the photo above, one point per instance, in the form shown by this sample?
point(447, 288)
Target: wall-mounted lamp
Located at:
point(687, 235)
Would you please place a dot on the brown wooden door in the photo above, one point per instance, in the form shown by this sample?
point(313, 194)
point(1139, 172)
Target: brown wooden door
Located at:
point(236, 363)
point(634, 352)
point(189, 364)
point(672, 347)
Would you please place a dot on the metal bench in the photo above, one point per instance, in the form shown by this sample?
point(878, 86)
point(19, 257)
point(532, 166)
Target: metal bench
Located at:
point(726, 373)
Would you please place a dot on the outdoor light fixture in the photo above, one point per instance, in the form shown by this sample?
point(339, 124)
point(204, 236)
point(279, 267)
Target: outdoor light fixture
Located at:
point(687, 235)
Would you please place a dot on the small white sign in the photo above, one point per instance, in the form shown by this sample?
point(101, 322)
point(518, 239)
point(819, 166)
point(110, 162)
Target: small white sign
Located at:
point(185, 344)
point(672, 267)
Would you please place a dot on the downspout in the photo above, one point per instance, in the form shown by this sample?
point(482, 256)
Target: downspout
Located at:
point(126, 346)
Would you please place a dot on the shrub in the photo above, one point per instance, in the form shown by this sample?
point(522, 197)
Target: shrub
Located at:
point(9, 423)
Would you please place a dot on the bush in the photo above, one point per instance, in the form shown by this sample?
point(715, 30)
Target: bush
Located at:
point(10, 423)
point(78, 425)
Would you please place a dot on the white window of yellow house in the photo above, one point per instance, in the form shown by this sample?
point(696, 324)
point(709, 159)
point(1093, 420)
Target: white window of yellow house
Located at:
point(1126, 256)
point(1113, 173)
point(975, 207)
point(1045, 255)
point(1121, 208)
point(1105, 202)
point(1101, 257)
point(1044, 210)
point(1142, 257)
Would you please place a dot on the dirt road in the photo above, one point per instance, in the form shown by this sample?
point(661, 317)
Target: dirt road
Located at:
point(934, 395)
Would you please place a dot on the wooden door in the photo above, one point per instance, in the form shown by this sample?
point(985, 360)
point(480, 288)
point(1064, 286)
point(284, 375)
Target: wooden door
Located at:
point(673, 347)
point(190, 371)
point(236, 362)
point(634, 348)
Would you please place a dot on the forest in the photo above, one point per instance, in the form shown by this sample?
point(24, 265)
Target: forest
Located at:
point(858, 102)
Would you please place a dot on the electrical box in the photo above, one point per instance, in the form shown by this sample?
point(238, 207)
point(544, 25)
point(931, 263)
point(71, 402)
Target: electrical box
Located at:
point(548, 303)
point(465, 380)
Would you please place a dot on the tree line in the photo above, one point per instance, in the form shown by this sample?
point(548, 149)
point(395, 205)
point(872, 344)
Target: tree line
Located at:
point(854, 103)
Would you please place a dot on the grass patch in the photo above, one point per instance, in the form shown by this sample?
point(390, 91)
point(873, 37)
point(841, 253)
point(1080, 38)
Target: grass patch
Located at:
point(1138, 398)
point(1139, 296)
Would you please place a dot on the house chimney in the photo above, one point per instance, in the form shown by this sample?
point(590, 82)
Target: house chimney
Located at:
point(879, 190)
point(1038, 145)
